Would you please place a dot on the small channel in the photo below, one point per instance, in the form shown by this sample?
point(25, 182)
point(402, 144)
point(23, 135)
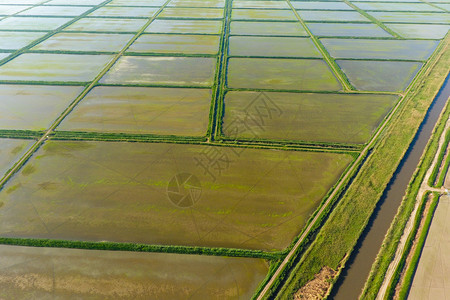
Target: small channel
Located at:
point(355, 273)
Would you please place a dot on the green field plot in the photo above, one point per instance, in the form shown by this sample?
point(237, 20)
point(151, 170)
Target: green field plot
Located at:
point(283, 74)
point(10, 152)
point(334, 16)
point(396, 6)
point(164, 111)
point(170, 43)
point(67, 11)
point(267, 28)
point(380, 49)
point(263, 14)
point(260, 4)
point(185, 26)
point(116, 11)
point(272, 46)
point(107, 25)
point(43, 273)
point(13, 40)
point(71, 41)
point(330, 118)
point(392, 76)
point(349, 29)
point(420, 31)
point(53, 67)
point(328, 5)
point(191, 13)
point(167, 194)
point(176, 71)
point(30, 23)
point(11, 9)
point(411, 17)
point(71, 2)
point(197, 3)
point(33, 107)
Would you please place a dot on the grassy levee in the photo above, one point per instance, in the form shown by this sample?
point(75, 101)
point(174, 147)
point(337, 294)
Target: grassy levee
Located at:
point(410, 271)
point(444, 171)
point(391, 241)
point(20, 134)
point(435, 172)
point(274, 264)
point(346, 223)
point(409, 243)
point(111, 246)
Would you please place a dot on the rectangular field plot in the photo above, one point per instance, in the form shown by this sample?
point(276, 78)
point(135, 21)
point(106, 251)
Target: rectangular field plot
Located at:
point(71, 2)
point(411, 17)
point(273, 47)
point(53, 67)
point(33, 107)
point(396, 6)
point(197, 3)
point(391, 76)
point(420, 31)
point(263, 14)
point(4, 55)
point(11, 9)
point(191, 13)
point(167, 194)
point(163, 111)
point(137, 2)
point(10, 152)
point(267, 28)
point(107, 25)
point(31, 23)
point(283, 74)
point(328, 118)
point(14, 40)
point(72, 41)
point(117, 11)
point(177, 44)
point(260, 4)
point(349, 29)
point(185, 26)
point(51, 273)
point(335, 16)
point(173, 71)
point(67, 11)
point(327, 5)
point(380, 49)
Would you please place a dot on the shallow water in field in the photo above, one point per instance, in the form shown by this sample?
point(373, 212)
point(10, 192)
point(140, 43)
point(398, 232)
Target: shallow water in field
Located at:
point(191, 13)
point(263, 14)
point(33, 107)
point(107, 25)
point(72, 41)
point(14, 40)
point(328, 5)
point(51, 273)
point(311, 15)
point(185, 26)
point(10, 152)
point(197, 3)
point(67, 11)
point(260, 4)
point(398, 7)
point(184, 44)
point(285, 74)
point(412, 17)
point(349, 29)
point(32, 23)
point(267, 28)
point(421, 31)
point(117, 11)
point(176, 71)
point(273, 46)
point(127, 192)
point(53, 67)
point(11, 9)
point(164, 111)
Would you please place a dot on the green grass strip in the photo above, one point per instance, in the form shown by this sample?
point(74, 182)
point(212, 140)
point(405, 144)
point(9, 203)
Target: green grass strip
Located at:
point(112, 246)
point(409, 274)
point(437, 167)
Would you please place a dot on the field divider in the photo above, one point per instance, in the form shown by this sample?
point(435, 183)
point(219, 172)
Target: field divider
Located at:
point(373, 19)
point(338, 73)
point(137, 247)
point(80, 97)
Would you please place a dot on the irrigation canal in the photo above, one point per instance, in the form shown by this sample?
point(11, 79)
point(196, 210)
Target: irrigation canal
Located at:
point(356, 271)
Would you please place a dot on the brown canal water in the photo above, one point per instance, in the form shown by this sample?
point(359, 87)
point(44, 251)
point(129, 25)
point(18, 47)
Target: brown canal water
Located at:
point(353, 277)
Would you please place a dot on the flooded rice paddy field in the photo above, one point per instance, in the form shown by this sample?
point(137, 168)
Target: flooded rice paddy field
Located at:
point(308, 72)
point(122, 192)
point(46, 273)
